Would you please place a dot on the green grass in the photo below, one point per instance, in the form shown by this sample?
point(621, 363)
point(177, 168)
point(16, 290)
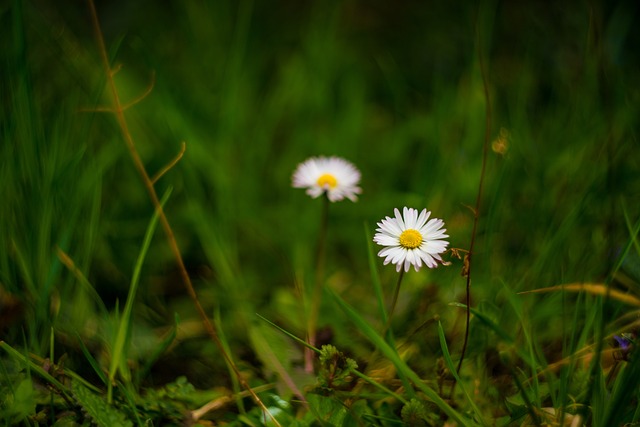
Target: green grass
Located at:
point(95, 324)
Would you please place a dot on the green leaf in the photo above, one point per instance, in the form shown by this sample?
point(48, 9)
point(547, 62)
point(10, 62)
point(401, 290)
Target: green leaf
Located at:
point(23, 401)
point(328, 409)
point(103, 414)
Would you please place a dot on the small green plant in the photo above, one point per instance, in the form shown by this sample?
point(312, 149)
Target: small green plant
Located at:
point(336, 370)
point(414, 414)
point(97, 409)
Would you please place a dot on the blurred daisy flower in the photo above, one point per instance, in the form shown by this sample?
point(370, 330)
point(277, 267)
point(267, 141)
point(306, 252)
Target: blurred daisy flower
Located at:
point(411, 240)
point(334, 176)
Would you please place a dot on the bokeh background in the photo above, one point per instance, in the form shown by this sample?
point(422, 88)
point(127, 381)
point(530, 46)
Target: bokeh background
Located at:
point(253, 88)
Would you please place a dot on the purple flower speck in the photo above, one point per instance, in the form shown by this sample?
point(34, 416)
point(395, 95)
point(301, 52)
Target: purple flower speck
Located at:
point(624, 343)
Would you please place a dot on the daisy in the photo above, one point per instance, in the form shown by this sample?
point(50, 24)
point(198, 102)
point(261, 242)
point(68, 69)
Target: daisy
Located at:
point(411, 240)
point(334, 176)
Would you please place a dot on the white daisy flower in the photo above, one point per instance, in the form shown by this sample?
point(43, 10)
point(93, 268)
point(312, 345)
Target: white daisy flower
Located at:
point(411, 240)
point(334, 176)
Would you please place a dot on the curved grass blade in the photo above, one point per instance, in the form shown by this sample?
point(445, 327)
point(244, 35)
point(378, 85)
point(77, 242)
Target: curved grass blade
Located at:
point(375, 278)
point(289, 334)
point(273, 350)
point(592, 288)
point(117, 360)
point(159, 350)
point(454, 372)
point(498, 330)
point(400, 364)
point(487, 321)
point(34, 367)
point(624, 391)
point(92, 361)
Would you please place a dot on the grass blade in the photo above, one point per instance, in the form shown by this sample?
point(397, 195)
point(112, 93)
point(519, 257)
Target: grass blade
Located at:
point(592, 288)
point(125, 320)
point(159, 350)
point(92, 361)
point(375, 277)
point(34, 367)
point(454, 372)
point(400, 364)
point(624, 391)
point(289, 334)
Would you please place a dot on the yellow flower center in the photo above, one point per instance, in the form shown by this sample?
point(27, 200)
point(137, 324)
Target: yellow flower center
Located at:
point(410, 238)
point(327, 180)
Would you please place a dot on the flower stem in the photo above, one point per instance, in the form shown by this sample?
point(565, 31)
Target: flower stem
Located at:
point(396, 292)
point(394, 301)
point(476, 211)
point(316, 297)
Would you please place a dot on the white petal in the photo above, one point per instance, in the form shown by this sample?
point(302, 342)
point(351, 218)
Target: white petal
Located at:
point(434, 246)
point(386, 240)
point(409, 218)
point(315, 191)
point(407, 266)
point(399, 220)
point(428, 260)
point(418, 262)
point(422, 219)
point(406, 214)
point(410, 257)
point(388, 251)
point(390, 226)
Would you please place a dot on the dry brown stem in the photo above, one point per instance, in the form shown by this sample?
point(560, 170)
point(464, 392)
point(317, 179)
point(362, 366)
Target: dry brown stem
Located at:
point(118, 111)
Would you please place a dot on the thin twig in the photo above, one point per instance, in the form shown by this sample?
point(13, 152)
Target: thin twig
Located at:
point(128, 105)
point(222, 401)
point(476, 210)
point(148, 183)
point(171, 164)
point(141, 97)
